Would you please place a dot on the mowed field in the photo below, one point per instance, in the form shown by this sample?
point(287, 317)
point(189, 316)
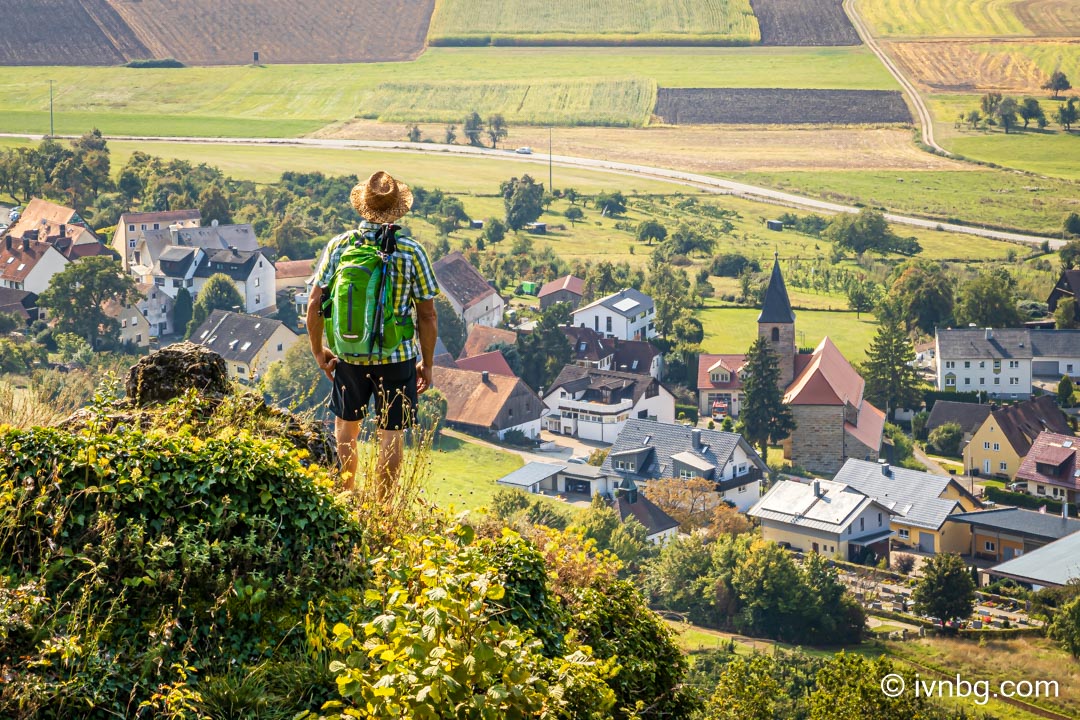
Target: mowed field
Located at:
point(655, 22)
point(1006, 66)
point(765, 106)
point(953, 18)
point(553, 102)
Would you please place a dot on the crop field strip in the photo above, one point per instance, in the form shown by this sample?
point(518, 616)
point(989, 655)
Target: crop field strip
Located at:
point(68, 32)
point(804, 23)
point(968, 66)
point(590, 22)
point(575, 102)
point(767, 106)
point(971, 18)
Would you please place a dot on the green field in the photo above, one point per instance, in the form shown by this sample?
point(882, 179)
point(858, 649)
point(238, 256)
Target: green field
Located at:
point(942, 18)
point(457, 22)
point(585, 101)
point(991, 197)
point(732, 330)
point(463, 475)
point(291, 100)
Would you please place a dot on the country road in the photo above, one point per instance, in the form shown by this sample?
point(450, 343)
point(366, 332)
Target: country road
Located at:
point(677, 177)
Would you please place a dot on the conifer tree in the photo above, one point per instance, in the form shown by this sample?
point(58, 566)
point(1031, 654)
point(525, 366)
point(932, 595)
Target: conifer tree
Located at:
point(891, 380)
point(764, 417)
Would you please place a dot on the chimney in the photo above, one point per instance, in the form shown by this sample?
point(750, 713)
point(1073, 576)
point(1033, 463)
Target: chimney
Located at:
point(174, 230)
point(25, 244)
point(484, 377)
point(885, 469)
point(233, 250)
point(816, 485)
point(63, 230)
point(7, 242)
point(1065, 510)
point(695, 438)
point(989, 333)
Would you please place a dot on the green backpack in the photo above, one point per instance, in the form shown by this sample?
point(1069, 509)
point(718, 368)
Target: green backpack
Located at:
point(359, 303)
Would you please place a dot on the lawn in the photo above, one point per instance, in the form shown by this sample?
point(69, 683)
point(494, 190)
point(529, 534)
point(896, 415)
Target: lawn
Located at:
point(942, 18)
point(733, 330)
point(458, 22)
point(289, 100)
point(463, 474)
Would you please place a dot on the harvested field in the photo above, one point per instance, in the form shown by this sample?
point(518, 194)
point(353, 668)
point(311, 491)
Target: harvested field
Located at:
point(766, 106)
point(1050, 18)
point(804, 22)
point(66, 32)
point(1020, 66)
point(595, 22)
point(212, 32)
point(945, 18)
point(570, 102)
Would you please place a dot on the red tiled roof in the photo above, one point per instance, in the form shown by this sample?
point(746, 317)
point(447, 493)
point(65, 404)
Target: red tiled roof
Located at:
point(460, 280)
point(1050, 449)
point(481, 337)
point(731, 362)
point(294, 269)
point(471, 401)
point(871, 425)
point(828, 379)
point(596, 347)
point(568, 282)
point(38, 210)
point(494, 362)
point(1021, 423)
point(16, 263)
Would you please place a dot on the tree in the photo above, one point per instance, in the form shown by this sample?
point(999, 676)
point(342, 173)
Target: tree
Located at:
point(764, 418)
point(473, 127)
point(1067, 114)
point(430, 413)
point(9, 323)
point(650, 230)
point(494, 230)
point(287, 314)
point(689, 502)
point(989, 103)
point(924, 293)
point(573, 214)
point(76, 297)
point(450, 137)
point(213, 205)
point(849, 687)
point(545, 351)
point(1006, 113)
point(746, 690)
point(862, 296)
point(1065, 392)
point(610, 204)
point(496, 129)
point(414, 133)
point(946, 590)
point(219, 293)
point(182, 310)
point(296, 382)
point(523, 200)
point(988, 300)
point(1065, 315)
point(451, 326)
point(1030, 109)
point(868, 231)
point(1058, 83)
point(669, 287)
point(1071, 226)
point(891, 380)
point(974, 117)
point(1065, 627)
point(946, 439)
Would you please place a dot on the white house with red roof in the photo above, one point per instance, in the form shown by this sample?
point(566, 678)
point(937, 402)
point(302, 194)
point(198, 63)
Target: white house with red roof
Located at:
point(29, 265)
point(468, 292)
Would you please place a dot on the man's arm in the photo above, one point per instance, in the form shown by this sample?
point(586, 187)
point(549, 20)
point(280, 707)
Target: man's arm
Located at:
point(323, 356)
point(428, 330)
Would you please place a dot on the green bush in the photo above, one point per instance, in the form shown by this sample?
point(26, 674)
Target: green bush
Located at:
point(946, 439)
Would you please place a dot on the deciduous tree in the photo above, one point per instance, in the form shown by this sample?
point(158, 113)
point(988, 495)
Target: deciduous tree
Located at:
point(650, 230)
point(451, 326)
point(496, 129)
point(473, 127)
point(219, 293)
point(1065, 392)
point(573, 214)
point(1065, 315)
point(924, 292)
point(1030, 109)
point(988, 300)
point(77, 294)
point(946, 590)
point(523, 200)
point(1057, 84)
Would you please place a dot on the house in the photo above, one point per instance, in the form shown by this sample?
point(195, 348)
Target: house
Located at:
point(969, 416)
point(250, 270)
point(59, 226)
point(1067, 286)
point(150, 244)
point(827, 517)
point(1003, 362)
point(1056, 564)
point(921, 503)
point(719, 385)
point(482, 338)
point(484, 404)
point(292, 274)
point(572, 478)
point(29, 265)
point(1050, 468)
point(627, 315)
point(567, 289)
point(833, 421)
point(493, 362)
point(1000, 444)
point(1000, 534)
point(156, 305)
point(468, 292)
point(595, 404)
point(629, 503)
point(591, 349)
point(133, 226)
point(638, 356)
point(647, 450)
point(19, 303)
point(134, 327)
point(40, 213)
point(249, 344)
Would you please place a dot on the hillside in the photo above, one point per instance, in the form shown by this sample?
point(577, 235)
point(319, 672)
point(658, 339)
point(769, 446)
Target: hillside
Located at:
point(67, 32)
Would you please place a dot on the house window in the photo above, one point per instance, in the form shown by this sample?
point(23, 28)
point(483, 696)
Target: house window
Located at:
point(949, 364)
point(997, 447)
point(157, 226)
point(997, 364)
point(138, 338)
point(159, 281)
point(608, 322)
point(131, 228)
point(967, 381)
point(123, 323)
point(967, 363)
point(685, 474)
point(982, 363)
point(989, 546)
point(1014, 381)
point(596, 323)
point(982, 381)
point(950, 382)
point(131, 243)
point(997, 381)
point(257, 284)
point(1040, 490)
point(1003, 466)
point(904, 534)
point(862, 524)
point(189, 282)
point(879, 519)
point(742, 488)
point(1014, 364)
point(258, 299)
point(1069, 369)
point(624, 465)
point(986, 446)
point(144, 226)
point(279, 347)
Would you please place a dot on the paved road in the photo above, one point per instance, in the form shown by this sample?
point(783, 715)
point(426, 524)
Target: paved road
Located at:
point(677, 177)
point(925, 119)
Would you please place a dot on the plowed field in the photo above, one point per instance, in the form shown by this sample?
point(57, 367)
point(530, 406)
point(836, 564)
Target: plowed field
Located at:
point(1050, 18)
point(765, 106)
point(65, 32)
point(804, 22)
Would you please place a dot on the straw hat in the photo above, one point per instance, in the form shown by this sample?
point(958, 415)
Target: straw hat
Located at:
point(381, 198)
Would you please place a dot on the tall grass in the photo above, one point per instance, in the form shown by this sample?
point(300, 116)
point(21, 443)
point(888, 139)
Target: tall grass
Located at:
point(585, 101)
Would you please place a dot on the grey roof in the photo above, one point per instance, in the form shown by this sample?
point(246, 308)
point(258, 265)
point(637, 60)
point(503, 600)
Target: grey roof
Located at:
point(235, 337)
point(603, 386)
point(237, 264)
point(1018, 521)
point(530, 474)
point(1015, 343)
point(969, 416)
point(832, 509)
point(667, 440)
point(914, 495)
point(1054, 564)
point(644, 510)
point(620, 304)
point(776, 307)
point(219, 237)
point(695, 461)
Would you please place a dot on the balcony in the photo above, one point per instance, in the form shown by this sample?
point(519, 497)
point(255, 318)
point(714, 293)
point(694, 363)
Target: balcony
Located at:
point(567, 405)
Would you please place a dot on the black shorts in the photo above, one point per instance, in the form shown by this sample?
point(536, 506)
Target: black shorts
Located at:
point(392, 385)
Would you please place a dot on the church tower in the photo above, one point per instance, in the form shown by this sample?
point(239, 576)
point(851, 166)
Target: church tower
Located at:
point(776, 324)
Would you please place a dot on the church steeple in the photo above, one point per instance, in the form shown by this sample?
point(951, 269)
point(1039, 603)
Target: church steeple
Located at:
point(776, 324)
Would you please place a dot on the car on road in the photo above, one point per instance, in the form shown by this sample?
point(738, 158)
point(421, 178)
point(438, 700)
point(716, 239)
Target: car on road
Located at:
point(524, 151)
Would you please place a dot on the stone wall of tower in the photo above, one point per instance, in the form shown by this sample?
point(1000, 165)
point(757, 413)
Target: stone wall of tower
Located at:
point(784, 348)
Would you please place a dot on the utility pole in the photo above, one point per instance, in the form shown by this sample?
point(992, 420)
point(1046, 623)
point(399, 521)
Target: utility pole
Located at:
point(551, 185)
point(52, 127)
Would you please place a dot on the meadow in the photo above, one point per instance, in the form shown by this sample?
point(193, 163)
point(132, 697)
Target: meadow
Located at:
point(734, 329)
point(585, 101)
point(456, 22)
point(463, 474)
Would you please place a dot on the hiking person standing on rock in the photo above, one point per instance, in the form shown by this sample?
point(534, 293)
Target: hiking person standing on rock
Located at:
point(367, 284)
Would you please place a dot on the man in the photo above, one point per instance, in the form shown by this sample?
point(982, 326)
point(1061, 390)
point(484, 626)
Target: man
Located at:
point(394, 380)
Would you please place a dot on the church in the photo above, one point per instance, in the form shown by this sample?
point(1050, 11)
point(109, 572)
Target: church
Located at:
point(833, 421)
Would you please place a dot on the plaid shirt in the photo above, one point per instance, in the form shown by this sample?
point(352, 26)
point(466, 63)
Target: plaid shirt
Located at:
point(411, 276)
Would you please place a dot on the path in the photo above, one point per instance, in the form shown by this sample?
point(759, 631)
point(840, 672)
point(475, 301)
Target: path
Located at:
point(928, 461)
point(677, 177)
point(926, 120)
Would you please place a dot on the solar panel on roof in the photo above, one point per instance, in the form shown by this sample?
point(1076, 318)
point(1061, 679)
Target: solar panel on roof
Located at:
point(626, 304)
point(1067, 443)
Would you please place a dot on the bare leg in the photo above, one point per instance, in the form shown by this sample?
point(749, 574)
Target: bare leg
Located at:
point(346, 432)
point(391, 443)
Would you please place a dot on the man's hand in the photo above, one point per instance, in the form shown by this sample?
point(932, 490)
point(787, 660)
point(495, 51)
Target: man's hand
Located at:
point(423, 377)
point(327, 362)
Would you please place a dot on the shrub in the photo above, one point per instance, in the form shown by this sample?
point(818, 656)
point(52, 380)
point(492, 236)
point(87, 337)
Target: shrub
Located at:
point(903, 563)
point(946, 439)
